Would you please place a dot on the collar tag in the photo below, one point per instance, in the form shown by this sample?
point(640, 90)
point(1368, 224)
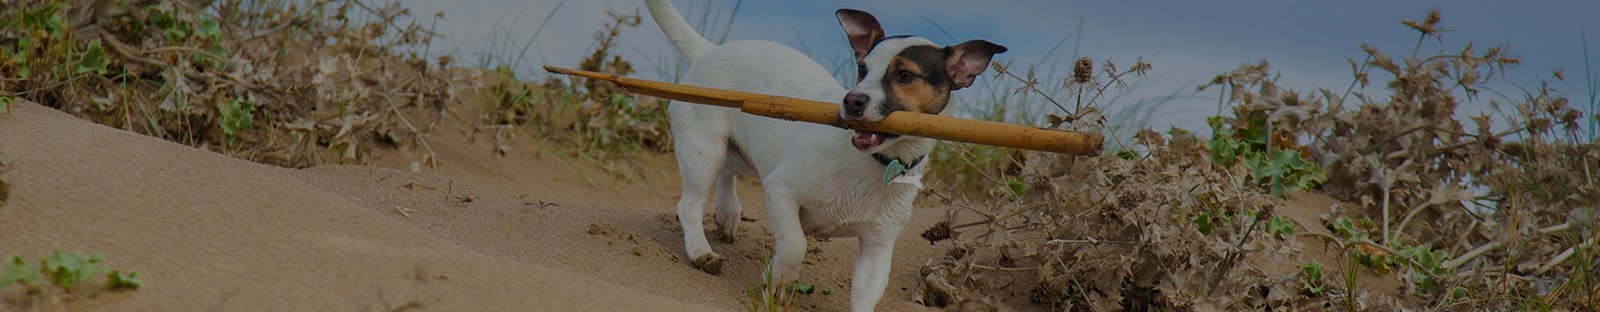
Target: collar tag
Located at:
point(893, 170)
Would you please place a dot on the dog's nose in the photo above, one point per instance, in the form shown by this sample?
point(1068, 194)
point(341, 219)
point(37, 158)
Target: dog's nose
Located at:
point(854, 103)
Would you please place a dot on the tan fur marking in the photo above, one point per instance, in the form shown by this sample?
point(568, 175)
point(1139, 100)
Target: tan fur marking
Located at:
point(917, 95)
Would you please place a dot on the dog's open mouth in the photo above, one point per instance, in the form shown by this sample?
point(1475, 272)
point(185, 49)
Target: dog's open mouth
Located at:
point(866, 140)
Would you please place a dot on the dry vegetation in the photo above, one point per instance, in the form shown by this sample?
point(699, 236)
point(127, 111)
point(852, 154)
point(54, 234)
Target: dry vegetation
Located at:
point(1468, 217)
point(268, 81)
point(297, 84)
point(593, 119)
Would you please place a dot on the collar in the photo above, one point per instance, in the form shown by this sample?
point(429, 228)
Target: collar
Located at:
point(894, 169)
point(887, 161)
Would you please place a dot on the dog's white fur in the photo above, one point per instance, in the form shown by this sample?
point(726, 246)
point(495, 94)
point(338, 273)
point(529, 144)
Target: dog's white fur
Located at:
point(817, 183)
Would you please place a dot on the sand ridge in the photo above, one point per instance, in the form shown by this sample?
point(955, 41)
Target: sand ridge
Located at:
point(209, 232)
point(481, 231)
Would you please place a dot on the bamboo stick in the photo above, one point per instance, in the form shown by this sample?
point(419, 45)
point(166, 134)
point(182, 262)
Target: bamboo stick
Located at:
point(900, 122)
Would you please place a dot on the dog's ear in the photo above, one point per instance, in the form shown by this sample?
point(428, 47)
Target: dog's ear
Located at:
point(967, 60)
point(862, 28)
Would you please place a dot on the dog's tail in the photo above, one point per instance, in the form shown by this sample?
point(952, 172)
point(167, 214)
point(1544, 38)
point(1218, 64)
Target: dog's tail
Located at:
point(689, 42)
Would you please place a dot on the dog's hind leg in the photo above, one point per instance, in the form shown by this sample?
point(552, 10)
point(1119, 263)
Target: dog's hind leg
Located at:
point(701, 157)
point(728, 210)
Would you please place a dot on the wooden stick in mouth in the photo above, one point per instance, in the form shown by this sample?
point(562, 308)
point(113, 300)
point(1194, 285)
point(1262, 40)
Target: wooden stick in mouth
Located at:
point(899, 122)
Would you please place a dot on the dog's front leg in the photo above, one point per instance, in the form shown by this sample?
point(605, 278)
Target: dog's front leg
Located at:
point(872, 269)
point(789, 238)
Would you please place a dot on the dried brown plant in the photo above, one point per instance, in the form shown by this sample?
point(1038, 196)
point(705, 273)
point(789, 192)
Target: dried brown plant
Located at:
point(303, 83)
point(1469, 216)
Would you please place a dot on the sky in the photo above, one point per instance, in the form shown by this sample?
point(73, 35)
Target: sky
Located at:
point(1188, 42)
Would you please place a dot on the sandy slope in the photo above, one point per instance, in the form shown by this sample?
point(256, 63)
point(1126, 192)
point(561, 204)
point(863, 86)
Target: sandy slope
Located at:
point(480, 232)
point(209, 232)
point(531, 230)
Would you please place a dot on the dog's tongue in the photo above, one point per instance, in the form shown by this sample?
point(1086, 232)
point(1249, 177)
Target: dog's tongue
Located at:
point(866, 139)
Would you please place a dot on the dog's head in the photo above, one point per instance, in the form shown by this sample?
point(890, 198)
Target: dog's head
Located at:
point(903, 73)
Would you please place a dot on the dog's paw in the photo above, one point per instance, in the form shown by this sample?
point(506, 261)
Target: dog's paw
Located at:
point(709, 262)
point(727, 234)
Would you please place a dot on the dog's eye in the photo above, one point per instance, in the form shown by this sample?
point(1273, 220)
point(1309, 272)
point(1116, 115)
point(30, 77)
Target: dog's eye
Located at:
point(904, 76)
point(861, 71)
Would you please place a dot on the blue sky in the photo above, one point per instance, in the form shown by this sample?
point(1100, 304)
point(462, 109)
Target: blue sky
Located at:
point(1188, 41)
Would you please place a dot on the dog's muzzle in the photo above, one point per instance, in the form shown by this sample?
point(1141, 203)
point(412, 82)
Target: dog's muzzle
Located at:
point(855, 105)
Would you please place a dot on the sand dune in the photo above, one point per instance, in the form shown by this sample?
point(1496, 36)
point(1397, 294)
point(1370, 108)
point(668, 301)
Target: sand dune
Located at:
point(209, 232)
point(480, 232)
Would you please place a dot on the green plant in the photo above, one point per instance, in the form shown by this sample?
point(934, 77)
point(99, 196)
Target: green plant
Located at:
point(1202, 222)
point(1017, 185)
point(65, 270)
point(1279, 170)
point(1352, 234)
point(1313, 274)
point(1346, 229)
point(69, 269)
point(92, 59)
point(119, 279)
point(804, 287)
point(1349, 276)
point(237, 115)
point(770, 296)
point(1427, 265)
point(1280, 227)
point(17, 271)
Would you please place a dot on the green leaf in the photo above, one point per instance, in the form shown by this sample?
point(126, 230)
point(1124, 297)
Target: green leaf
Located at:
point(1127, 154)
point(1346, 229)
point(1256, 132)
point(236, 115)
point(69, 269)
point(208, 29)
point(215, 57)
point(1458, 293)
point(171, 26)
point(1313, 271)
point(18, 271)
point(619, 100)
point(1371, 261)
point(827, 291)
point(93, 59)
point(47, 18)
point(1428, 261)
point(117, 279)
point(1017, 186)
point(5, 100)
point(1202, 222)
point(1280, 227)
point(804, 287)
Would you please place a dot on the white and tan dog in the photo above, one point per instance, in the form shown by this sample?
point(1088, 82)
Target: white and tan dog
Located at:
point(819, 180)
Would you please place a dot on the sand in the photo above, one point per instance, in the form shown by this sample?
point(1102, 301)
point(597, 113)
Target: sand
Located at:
point(528, 230)
point(532, 229)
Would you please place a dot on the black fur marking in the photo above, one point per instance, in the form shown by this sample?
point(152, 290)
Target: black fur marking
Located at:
point(861, 69)
point(880, 40)
point(931, 62)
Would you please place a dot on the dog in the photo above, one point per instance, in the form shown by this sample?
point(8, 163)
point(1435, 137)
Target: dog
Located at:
point(819, 180)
